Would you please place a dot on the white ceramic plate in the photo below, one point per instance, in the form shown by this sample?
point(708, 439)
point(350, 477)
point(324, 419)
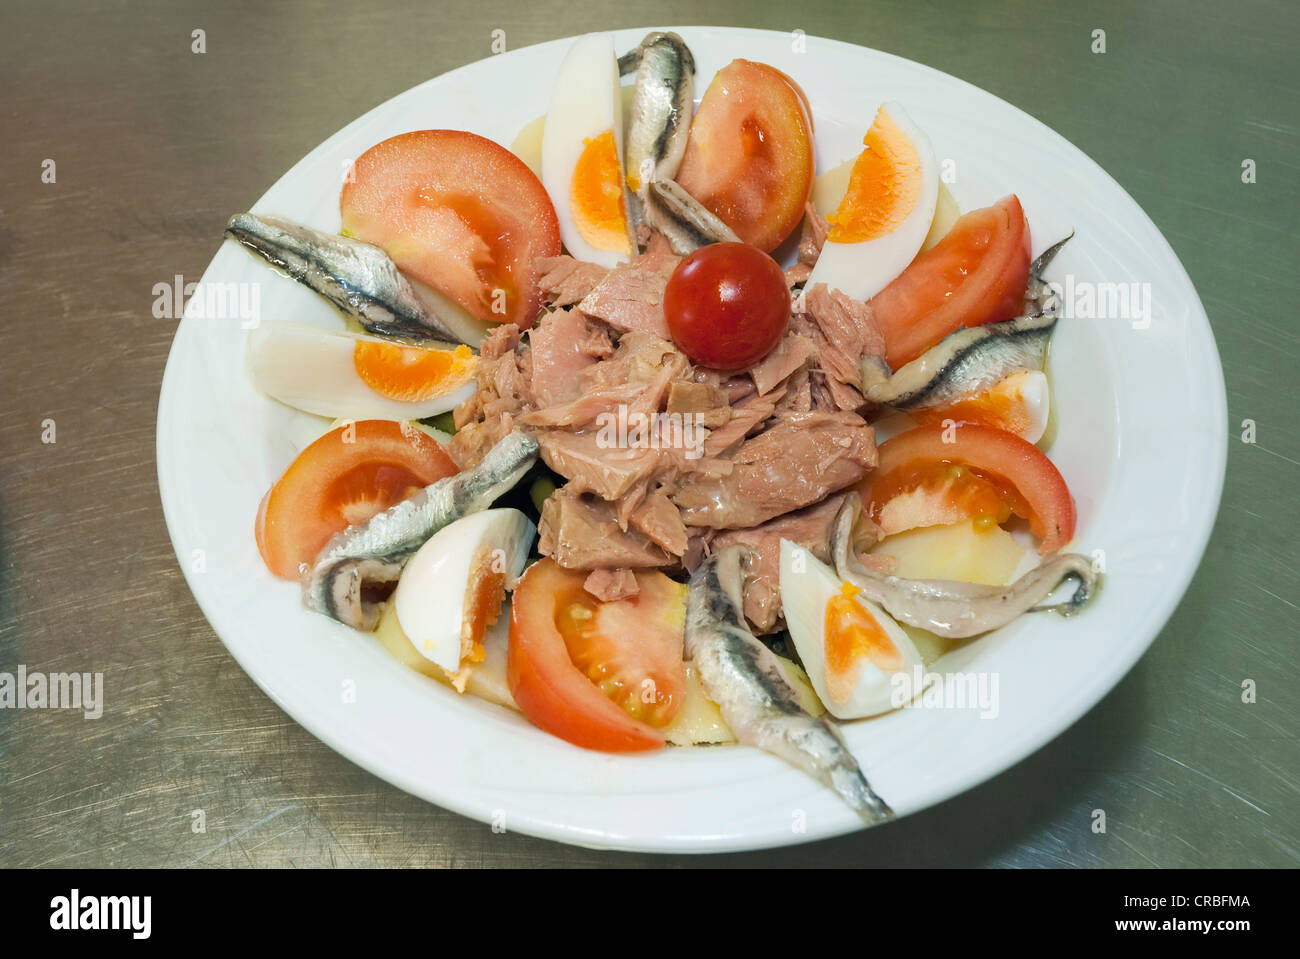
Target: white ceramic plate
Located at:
point(1142, 440)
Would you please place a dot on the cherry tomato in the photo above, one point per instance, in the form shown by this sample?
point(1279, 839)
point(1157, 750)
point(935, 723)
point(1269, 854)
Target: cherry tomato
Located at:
point(976, 274)
point(345, 477)
point(727, 305)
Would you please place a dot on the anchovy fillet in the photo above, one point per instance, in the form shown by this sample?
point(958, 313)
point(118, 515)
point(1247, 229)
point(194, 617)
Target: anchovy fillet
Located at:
point(686, 222)
point(745, 679)
point(374, 552)
point(958, 610)
point(967, 361)
point(662, 101)
point(972, 359)
point(358, 278)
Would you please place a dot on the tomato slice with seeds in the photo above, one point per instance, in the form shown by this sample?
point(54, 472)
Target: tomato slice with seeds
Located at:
point(602, 675)
point(968, 472)
point(345, 477)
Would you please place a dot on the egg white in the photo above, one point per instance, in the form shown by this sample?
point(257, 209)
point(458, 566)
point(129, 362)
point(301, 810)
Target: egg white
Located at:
point(585, 103)
point(312, 370)
point(861, 270)
point(430, 595)
point(807, 585)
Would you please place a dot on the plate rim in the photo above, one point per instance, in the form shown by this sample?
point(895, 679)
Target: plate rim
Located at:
point(1026, 745)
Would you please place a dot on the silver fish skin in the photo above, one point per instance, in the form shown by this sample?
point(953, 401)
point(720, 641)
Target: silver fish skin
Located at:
point(954, 609)
point(358, 278)
point(663, 99)
point(745, 679)
point(972, 359)
point(685, 221)
point(966, 361)
point(376, 551)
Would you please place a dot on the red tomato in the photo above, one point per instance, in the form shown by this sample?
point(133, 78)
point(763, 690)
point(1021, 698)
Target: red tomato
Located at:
point(345, 477)
point(600, 675)
point(976, 274)
point(998, 473)
point(727, 305)
point(458, 212)
point(749, 157)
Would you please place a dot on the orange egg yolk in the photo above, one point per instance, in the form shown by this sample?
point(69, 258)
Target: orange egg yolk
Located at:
point(410, 373)
point(596, 196)
point(1002, 406)
point(852, 632)
point(884, 185)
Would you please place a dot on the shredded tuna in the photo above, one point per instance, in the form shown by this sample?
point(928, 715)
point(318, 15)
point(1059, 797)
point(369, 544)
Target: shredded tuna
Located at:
point(785, 358)
point(813, 235)
point(796, 462)
point(579, 531)
point(631, 296)
point(809, 528)
point(557, 345)
point(564, 280)
point(658, 519)
point(609, 585)
point(503, 393)
point(845, 332)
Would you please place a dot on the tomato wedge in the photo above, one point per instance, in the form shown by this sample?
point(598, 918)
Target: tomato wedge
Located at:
point(976, 274)
point(988, 461)
point(749, 157)
point(603, 676)
point(459, 213)
point(345, 477)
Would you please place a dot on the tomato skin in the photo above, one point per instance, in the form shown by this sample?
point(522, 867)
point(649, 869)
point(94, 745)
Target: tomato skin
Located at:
point(976, 274)
point(550, 689)
point(459, 212)
point(1033, 478)
point(749, 157)
point(727, 305)
point(346, 476)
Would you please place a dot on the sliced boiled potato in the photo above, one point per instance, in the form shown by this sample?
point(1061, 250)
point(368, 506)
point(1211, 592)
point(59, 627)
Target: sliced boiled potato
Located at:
point(528, 144)
point(829, 188)
point(960, 551)
point(487, 680)
point(700, 722)
point(946, 213)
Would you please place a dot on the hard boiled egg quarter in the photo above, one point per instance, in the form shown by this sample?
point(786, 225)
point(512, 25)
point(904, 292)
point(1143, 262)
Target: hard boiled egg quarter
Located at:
point(452, 588)
point(582, 153)
point(888, 206)
point(341, 374)
point(850, 648)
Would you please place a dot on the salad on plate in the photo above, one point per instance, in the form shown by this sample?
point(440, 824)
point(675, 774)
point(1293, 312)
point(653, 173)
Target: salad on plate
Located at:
point(644, 429)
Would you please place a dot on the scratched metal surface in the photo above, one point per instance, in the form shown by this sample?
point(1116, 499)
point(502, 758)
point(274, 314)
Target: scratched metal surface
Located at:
point(155, 146)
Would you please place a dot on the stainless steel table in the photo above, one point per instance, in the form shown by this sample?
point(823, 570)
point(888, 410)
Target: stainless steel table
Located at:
point(155, 145)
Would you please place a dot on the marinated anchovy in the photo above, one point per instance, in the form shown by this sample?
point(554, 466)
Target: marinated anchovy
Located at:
point(966, 361)
point(356, 277)
point(686, 222)
point(745, 679)
point(954, 609)
point(373, 553)
point(662, 100)
point(972, 359)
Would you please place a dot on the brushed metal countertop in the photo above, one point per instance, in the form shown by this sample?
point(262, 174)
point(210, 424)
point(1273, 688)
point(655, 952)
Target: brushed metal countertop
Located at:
point(155, 146)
